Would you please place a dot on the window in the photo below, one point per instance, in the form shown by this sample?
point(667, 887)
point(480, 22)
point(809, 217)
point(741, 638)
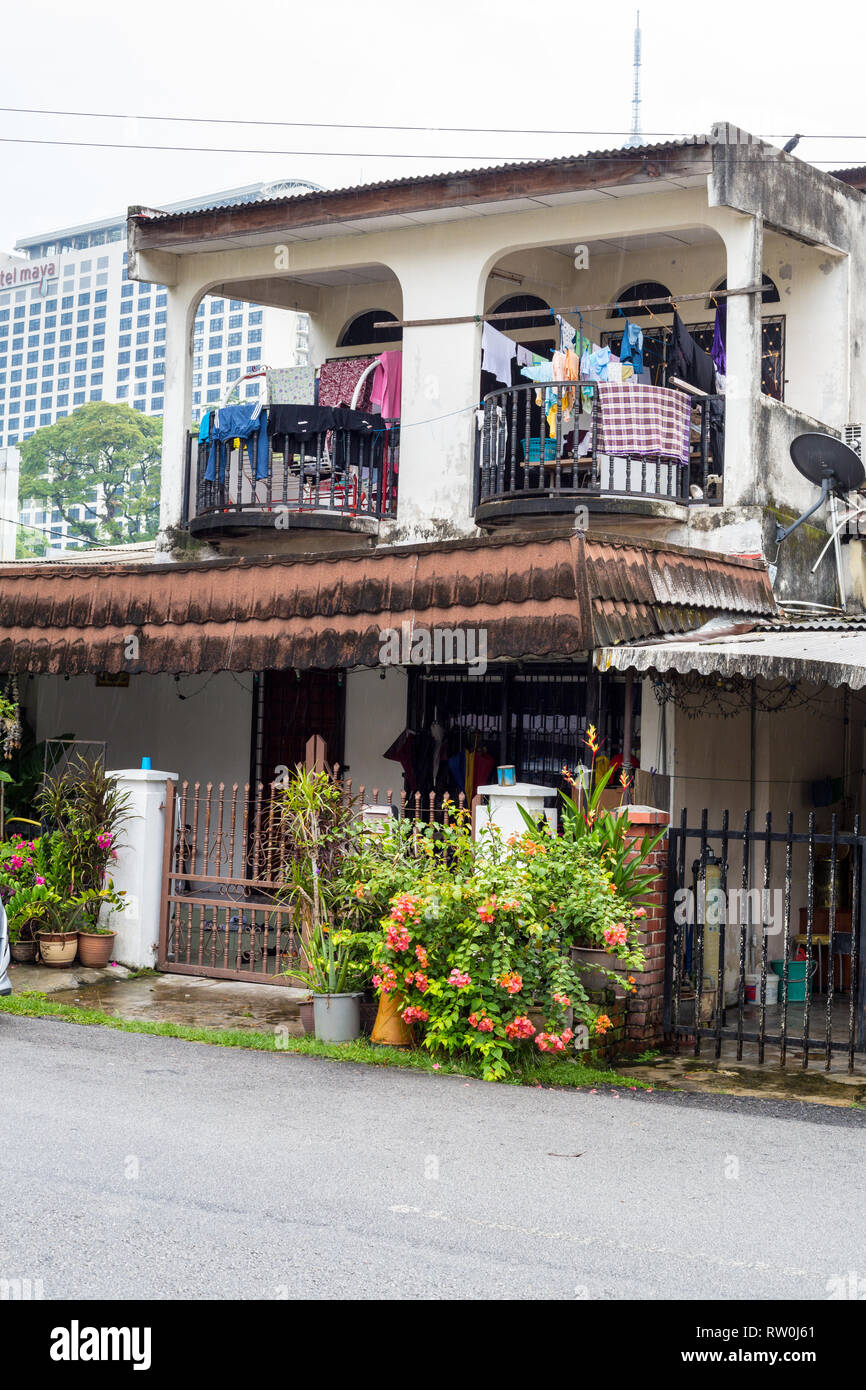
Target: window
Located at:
point(142, 337)
point(83, 315)
point(125, 341)
point(83, 331)
point(641, 289)
point(160, 316)
point(213, 378)
point(84, 299)
point(143, 320)
point(122, 392)
point(359, 331)
point(123, 374)
point(122, 357)
point(236, 321)
point(215, 359)
point(97, 363)
point(141, 372)
point(213, 396)
point(255, 336)
point(141, 354)
point(80, 381)
point(125, 325)
point(235, 339)
point(96, 395)
point(95, 379)
point(215, 342)
point(45, 419)
point(156, 403)
point(65, 319)
point(256, 317)
point(233, 356)
point(78, 398)
point(67, 301)
point(100, 297)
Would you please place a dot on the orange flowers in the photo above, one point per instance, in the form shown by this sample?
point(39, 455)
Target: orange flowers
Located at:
point(511, 981)
point(602, 1024)
point(487, 910)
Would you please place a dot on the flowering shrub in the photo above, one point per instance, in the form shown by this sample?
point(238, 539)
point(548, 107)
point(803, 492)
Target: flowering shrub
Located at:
point(490, 929)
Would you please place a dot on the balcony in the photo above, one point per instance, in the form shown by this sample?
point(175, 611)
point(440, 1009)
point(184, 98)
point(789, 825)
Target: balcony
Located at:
point(335, 479)
point(544, 459)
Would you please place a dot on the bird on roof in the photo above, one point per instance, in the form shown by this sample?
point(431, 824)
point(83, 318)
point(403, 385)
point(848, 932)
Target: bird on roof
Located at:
point(792, 144)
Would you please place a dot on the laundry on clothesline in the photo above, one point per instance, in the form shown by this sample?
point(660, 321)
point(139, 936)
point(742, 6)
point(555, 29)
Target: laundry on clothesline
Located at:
point(653, 422)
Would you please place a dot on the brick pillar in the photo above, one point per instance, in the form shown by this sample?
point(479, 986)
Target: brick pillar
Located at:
point(644, 1023)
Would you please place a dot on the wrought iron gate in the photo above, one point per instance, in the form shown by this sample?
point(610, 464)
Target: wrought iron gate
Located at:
point(747, 905)
point(220, 911)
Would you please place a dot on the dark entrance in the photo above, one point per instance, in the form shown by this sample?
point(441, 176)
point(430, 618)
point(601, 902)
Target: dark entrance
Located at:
point(292, 706)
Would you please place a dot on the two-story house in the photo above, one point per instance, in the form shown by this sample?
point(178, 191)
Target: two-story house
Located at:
point(445, 469)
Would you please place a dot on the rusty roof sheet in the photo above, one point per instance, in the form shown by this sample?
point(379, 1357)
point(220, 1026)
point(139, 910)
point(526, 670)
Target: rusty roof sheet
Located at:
point(145, 214)
point(550, 596)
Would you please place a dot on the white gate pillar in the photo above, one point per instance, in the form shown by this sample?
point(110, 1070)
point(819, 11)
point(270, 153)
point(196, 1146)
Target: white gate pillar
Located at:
point(138, 868)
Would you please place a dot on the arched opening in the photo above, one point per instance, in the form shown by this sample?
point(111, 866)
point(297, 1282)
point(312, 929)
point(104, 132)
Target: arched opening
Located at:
point(772, 336)
point(361, 331)
point(642, 289)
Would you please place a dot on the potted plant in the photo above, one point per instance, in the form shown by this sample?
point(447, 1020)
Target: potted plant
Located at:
point(95, 943)
point(26, 911)
point(58, 933)
point(327, 965)
point(314, 827)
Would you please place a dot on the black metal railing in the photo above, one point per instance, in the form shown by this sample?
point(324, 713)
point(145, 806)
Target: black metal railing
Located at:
point(519, 458)
point(342, 471)
point(753, 907)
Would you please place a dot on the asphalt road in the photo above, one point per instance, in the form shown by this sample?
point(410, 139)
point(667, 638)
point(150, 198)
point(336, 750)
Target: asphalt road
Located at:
point(133, 1166)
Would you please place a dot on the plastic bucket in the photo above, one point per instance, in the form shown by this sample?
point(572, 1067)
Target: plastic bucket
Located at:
point(800, 973)
point(753, 989)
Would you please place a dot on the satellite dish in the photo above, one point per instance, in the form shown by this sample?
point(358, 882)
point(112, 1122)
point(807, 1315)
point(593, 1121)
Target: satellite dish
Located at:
point(831, 465)
point(820, 456)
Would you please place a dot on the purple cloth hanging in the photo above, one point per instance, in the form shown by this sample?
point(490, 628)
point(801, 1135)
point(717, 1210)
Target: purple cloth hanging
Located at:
point(717, 351)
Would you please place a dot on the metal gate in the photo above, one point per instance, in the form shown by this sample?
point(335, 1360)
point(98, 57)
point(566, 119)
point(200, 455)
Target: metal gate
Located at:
point(220, 912)
point(750, 906)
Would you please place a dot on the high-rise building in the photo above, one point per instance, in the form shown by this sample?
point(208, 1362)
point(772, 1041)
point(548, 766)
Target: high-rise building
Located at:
point(74, 328)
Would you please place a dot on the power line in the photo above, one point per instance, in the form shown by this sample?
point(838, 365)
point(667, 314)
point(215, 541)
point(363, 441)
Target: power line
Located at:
point(626, 154)
point(358, 125)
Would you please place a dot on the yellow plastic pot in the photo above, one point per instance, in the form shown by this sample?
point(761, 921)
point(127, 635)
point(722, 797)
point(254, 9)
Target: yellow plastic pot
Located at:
point(389, 1029)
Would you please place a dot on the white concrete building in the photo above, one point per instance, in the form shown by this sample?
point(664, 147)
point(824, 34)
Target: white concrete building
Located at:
point(570, 539)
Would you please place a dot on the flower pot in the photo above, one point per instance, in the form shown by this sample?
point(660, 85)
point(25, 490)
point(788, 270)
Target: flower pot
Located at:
point(94, 948)
point(58, 947)
point(337, 1017)
point(24, 952)
point(308, 1022)
point(389, 1028)
point(592, 964)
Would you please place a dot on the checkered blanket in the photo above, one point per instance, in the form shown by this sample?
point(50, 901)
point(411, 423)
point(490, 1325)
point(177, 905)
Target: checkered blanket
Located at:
point(652, 421)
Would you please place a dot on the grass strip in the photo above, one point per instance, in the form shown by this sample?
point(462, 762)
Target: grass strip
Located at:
point(541, 1071)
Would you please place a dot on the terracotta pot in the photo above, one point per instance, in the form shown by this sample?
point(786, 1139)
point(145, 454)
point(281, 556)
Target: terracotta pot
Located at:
point(94, 948)
point(24, 952)
point(389, 1029)
point(592, 964)
point(58, 948)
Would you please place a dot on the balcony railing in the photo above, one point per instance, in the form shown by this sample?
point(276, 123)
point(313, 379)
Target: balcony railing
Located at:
point(520, 462)
point(329, 477)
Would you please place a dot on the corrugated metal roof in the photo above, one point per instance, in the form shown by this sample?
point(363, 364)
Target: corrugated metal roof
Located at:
point(415, 180)
point(544, 596)
point(836, 657)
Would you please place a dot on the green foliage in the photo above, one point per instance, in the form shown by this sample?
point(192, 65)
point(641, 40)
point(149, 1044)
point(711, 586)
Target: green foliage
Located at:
point(469, 940)
point(315, 827)
point(103, 449)
point(86, 808)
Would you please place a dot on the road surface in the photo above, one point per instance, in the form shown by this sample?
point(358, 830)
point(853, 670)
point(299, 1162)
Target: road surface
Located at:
point(143, 1167)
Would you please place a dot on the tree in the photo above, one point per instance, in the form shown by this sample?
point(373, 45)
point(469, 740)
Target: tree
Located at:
point(104, 460)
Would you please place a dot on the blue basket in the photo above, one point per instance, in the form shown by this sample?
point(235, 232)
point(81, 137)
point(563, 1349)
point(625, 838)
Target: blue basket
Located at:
point(533, 453)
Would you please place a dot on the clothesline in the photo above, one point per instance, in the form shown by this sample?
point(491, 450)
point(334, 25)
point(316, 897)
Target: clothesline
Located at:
point(672, 300)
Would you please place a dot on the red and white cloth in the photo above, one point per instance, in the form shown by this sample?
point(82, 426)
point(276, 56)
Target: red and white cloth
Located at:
point(652, 421)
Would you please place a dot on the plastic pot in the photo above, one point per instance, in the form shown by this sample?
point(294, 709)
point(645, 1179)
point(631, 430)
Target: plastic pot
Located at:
point(337, 1017)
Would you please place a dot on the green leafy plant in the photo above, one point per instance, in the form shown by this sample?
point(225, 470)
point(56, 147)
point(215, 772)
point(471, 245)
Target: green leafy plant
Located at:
point(315, 829)
point(86, 808)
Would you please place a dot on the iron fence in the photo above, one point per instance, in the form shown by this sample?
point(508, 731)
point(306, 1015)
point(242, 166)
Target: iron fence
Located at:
point(757, 904)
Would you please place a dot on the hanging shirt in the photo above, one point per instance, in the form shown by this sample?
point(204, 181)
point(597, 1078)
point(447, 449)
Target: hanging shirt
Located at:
point(243, 422)
point(387, 389)
point(632, 346)
point(338, 379)
point(497, 353)
point(204, 428)
point(688, 360)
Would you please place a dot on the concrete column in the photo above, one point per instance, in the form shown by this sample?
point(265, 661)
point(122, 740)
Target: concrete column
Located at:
point(177, 415)
point(441, 377)
point(138, 868)
point(744, 242)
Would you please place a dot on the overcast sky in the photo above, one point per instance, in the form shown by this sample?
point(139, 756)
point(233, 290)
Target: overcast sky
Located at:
point(770, 68)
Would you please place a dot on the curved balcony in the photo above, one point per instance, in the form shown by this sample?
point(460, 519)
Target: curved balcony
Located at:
point(334, 480)
point(626, 452)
